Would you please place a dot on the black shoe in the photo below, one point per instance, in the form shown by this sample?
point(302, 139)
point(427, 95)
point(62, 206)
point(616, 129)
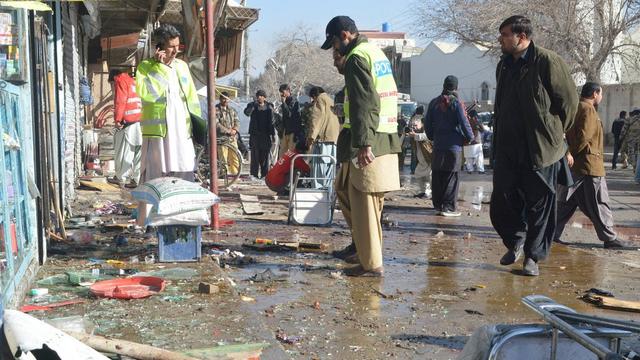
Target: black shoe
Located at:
point(346, 252)
point(511, 256)
point(131, 185)
point(558, 241)
point(530, 267)
point(359, 271)
point(114, 180)
point(618, 244)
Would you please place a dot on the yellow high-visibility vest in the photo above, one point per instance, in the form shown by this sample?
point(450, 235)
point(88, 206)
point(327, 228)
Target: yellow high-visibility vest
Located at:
point(385, 87)
point(152, 82)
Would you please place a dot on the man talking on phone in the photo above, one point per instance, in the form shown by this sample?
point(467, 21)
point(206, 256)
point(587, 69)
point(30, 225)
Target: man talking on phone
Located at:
point(368, 144)
point(168, 96)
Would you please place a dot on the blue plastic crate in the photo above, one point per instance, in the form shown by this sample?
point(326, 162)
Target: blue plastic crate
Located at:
point(179, 243)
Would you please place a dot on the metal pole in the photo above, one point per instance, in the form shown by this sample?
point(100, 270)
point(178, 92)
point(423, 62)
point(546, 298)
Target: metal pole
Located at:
point(211, 98)
point(245, 63)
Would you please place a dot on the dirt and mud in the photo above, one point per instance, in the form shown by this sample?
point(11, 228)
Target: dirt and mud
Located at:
point(442, 280)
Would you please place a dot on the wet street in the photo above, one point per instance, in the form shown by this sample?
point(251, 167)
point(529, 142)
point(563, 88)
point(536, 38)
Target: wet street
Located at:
point(442, 281)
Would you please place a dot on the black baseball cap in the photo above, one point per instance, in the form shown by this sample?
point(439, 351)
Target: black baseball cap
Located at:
point(335, 26)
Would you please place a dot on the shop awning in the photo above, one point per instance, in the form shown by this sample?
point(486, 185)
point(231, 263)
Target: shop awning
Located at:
point(27, 5)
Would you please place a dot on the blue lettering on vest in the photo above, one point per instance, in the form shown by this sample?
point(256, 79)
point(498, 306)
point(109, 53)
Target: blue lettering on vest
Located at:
point(382, 68)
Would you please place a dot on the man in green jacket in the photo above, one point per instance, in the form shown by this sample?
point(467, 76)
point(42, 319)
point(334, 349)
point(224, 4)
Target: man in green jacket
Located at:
point(536, 102)
point(368, 145)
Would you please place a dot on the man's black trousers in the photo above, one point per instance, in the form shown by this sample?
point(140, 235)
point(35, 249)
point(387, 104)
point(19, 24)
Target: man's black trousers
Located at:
point(523, 209)
point(260, 148)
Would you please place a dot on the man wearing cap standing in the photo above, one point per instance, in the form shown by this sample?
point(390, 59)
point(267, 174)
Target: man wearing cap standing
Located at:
point(535, 105)
point(368, 145)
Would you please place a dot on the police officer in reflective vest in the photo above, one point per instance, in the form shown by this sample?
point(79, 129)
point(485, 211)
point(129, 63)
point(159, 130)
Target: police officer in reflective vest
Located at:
point(368, 144)
point(168, 96)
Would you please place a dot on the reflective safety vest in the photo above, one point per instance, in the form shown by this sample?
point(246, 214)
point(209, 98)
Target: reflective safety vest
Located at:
point(385, 87)
point(128, 107)
point(152, 83)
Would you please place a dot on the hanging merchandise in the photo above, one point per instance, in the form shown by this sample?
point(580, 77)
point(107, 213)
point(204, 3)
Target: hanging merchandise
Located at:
point(85, 92)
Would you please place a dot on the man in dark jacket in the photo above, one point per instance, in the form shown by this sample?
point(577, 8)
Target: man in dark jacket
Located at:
point(586, 156)
point(535, 105)
point(291, 120)
point(447, 125)
point(261, 133)
point(616, 130)
point(368, 144)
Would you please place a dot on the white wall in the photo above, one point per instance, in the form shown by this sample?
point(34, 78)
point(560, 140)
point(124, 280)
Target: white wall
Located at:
point(467, 62)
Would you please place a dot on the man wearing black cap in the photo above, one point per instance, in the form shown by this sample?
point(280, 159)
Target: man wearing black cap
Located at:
point(261, 133)
point(536, 102)
point(447, 125)
point(368, 145)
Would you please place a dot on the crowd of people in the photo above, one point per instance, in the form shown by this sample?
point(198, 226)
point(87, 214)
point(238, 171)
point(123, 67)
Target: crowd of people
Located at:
point(547, 149)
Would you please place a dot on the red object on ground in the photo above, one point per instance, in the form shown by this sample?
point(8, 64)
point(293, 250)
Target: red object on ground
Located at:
point(136, 287)
point(278, 177)
point(226, 222)
point(30, 308)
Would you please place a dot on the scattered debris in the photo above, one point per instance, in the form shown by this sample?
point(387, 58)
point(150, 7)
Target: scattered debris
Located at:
point(137, 287)
point(51, 306)
point(268, 275)
point(176, 273)
point(120, 240)
point(383, 295)
point(316, 305)
point(100, 186)
point(283, 338)
point(440, 234)
point(251, 205)
point(607, 302)
point(600, 292)
point(336, 275)
point(473, 312)
point(247, 299)
point(38, 291)
point(206, 288)
point(127, 348)
point(444, 297)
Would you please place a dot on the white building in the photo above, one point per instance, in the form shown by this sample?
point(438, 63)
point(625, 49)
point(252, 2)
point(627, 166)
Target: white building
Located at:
point(474, 68)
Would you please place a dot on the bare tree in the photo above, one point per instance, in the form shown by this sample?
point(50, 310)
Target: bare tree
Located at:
point(299, 62)
point(587, 33)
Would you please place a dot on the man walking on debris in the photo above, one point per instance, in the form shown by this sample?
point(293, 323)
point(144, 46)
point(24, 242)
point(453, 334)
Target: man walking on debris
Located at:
point(586, 157)
point(261, 133)
point(535, 105)
point(168, 95)
point(368, 144)
point(128, 137)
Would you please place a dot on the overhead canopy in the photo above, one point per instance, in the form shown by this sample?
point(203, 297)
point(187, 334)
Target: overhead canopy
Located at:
point(27, 5)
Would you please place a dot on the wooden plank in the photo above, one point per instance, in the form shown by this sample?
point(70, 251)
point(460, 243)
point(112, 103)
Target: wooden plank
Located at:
point(612, 303)
point(99, 186)
point(251, 205)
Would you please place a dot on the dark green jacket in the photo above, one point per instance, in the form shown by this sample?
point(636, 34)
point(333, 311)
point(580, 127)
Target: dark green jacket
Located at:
point(547, 100)
point(364, 108)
